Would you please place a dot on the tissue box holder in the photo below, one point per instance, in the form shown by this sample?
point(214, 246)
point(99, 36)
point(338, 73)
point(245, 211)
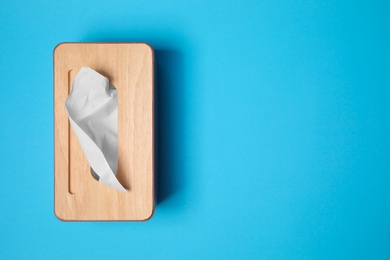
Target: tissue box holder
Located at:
point(77, 196)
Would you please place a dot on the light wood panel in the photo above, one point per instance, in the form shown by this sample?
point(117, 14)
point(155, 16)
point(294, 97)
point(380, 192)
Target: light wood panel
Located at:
point(77, 196)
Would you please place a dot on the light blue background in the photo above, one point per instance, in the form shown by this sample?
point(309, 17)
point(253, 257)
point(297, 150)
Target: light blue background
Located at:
point(273, 138)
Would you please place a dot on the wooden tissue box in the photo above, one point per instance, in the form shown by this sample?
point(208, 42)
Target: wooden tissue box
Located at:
point(77, 196)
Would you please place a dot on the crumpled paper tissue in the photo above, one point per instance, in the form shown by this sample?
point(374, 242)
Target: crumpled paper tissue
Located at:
point(92, 107)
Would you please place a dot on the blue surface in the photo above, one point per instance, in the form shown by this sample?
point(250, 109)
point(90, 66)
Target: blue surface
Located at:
point(273, 137)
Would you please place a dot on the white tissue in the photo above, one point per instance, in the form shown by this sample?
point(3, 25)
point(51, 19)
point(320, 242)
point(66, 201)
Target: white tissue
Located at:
point(92, 107)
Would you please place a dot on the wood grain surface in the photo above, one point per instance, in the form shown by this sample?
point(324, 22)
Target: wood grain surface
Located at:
point(77, 196)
